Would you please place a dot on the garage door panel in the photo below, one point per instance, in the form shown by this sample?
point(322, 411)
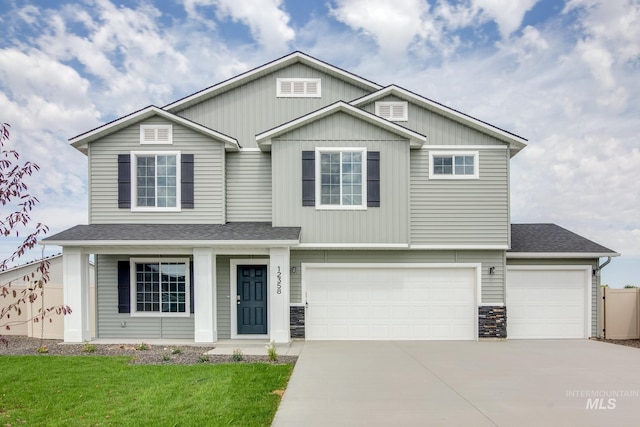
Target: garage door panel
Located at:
point(391, 303)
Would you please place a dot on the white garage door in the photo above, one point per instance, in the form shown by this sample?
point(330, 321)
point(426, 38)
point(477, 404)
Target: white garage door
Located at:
point(548, 302)
point(390, 302)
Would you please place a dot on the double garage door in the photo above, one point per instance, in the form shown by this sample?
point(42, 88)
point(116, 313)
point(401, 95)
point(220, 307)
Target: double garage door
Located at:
point(548, 301)
point(390, 302)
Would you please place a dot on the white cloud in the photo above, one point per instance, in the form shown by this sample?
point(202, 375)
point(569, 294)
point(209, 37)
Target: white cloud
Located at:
point(507, 14)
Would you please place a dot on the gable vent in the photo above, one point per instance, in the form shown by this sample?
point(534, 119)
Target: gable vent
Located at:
point(393, 111)
point(156, 134)
point(298, 88)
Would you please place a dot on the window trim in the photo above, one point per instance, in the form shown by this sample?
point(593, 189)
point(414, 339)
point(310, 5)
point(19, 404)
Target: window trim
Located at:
point(405, 105)
point(155, 141)
point(134, 182)
point(453, 154)
point(133, 309)
point(317, 81)
point(363, 183)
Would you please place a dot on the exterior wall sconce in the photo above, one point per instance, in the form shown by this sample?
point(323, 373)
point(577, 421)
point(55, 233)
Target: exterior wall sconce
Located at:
point(492, 270)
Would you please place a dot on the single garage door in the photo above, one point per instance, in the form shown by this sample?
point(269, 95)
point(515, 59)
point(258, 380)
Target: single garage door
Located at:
point(390, 302)
point(548, 302)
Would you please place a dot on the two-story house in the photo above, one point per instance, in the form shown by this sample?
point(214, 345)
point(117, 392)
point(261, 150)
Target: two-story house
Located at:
point(300, 200)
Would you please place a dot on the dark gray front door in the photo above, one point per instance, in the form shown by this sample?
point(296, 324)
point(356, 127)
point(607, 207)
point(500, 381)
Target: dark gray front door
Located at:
point(252, 299)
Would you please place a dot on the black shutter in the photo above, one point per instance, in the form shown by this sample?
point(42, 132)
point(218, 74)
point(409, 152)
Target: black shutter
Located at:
point(124, 181)
point(191, 302)
point(124, 287)
point(373, 179)
point(186, 181)
point(308, 178)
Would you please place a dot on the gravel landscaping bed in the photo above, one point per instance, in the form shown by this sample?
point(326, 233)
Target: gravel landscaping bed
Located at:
point(628, 343)
point(154, 354)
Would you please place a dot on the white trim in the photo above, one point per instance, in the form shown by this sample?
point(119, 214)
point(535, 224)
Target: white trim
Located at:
point(134, 186)
point(250, 150)
point(133, 282)
point(352, 246)
point(461, 247)
point(156, 128)
point(538, 255)
point(464, 147)
point(305, 94)
point(391, 104)
point(363, 178)
point(279, 63)
point(174, 243)
point(491, 304)
point(233, 291)
point(453, 155)
point(476, 266)
point(587, 269)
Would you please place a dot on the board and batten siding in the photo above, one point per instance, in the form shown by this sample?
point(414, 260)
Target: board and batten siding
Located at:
point(209, 175)
point(461, 211)
point(492, 284)
point(248, 186)
point(252, 108)
point(384, 224)
point(109, 323)
point(596, 292)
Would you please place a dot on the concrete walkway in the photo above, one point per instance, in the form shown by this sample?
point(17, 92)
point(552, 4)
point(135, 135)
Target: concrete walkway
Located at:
point(435, 383)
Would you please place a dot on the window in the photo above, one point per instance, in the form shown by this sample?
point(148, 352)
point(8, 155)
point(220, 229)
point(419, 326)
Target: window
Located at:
point(300, 88)
point(393, 111)
point(156, 134)
point(160, 287)
point(340, 178)
point(155, 180)
point(453, 165)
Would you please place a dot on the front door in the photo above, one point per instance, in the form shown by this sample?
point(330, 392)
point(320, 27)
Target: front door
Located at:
point(252, 299)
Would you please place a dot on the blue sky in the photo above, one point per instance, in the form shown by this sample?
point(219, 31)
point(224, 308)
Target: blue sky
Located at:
point(562, 74)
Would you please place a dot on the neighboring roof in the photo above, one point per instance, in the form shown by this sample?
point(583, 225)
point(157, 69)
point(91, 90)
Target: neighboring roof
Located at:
point(29, 263)
point(516, 143)
point(80, 142)
point(270, 67)
point(552, 241)
point(416, 140)
point(174, 234)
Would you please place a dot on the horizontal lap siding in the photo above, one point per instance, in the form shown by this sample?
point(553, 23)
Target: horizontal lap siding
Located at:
point(208, 175)
point(108, 320)
point(492, 285)
point(248, 186)
point(462, 212)
point(384, 224)
point(254, 108)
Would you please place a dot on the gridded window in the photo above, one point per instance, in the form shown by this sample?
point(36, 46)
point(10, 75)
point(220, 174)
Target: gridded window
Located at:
point(161, 287)
point(341, 178)
point(445, 165)
point(156, 181)
point(464, 165)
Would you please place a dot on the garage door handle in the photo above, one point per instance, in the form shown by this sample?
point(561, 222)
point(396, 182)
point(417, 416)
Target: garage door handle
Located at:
point(306, 304)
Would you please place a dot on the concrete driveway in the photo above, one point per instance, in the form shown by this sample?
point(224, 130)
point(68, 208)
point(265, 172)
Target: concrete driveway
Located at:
point(496, 383)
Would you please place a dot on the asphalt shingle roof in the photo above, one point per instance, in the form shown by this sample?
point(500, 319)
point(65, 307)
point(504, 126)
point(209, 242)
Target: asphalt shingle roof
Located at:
point(177, 232)
point(551, 238)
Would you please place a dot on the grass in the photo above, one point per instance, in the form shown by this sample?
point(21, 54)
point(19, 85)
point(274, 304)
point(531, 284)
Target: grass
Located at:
point(107, 391)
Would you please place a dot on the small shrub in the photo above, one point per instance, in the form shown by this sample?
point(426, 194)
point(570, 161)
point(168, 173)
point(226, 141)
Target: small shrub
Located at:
point(88, 348)
point(43, 349)
point(272, 351)
point(176, 350)
point(203, 359)
point(237, 355)
point(166, 357)
point(142, 346)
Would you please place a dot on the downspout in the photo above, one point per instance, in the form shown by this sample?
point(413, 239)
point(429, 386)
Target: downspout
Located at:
point(603, 265)
point(603, 327)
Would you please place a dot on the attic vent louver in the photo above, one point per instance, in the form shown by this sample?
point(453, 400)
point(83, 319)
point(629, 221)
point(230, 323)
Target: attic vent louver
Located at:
point(156, 134)
point(397, 111)
point(298, 88)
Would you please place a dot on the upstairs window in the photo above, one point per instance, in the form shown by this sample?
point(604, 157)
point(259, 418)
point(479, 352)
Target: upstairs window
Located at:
point(298, 88)
point(340, 180)
point(156, 181)
point(156, 134)
point(453, 165)
point(393, 111)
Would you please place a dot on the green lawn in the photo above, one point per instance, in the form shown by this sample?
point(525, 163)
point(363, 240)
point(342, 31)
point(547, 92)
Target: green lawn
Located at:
point(107, 391)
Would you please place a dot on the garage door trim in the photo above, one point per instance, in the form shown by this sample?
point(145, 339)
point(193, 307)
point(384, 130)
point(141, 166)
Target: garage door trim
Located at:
point(477, 267)
point(586, 269)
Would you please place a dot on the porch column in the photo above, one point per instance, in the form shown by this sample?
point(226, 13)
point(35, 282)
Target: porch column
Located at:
point(204, 289)
point(75, 270)
point(279, 294)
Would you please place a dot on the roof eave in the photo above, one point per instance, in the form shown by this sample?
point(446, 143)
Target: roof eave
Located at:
point(540, 255)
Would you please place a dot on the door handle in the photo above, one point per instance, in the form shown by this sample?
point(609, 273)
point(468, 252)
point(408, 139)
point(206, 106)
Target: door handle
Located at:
point(238, 299)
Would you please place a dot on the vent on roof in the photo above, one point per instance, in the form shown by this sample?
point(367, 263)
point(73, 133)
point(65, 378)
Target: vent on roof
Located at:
point(397, 111)
point(301, 88)
point(156, 134)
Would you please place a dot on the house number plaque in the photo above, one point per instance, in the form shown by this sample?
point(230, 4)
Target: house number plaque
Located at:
point(279, 281)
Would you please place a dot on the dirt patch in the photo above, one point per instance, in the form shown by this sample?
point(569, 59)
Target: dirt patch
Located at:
point(628, 343)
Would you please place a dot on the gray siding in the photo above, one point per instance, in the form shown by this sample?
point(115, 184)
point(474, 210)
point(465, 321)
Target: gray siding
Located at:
point(386, 224)
point(248, 186)
point(209, 174)
point(108, 320)
point(595, 283)
point(254, 108)
point(492, 285)
point(461, 212)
